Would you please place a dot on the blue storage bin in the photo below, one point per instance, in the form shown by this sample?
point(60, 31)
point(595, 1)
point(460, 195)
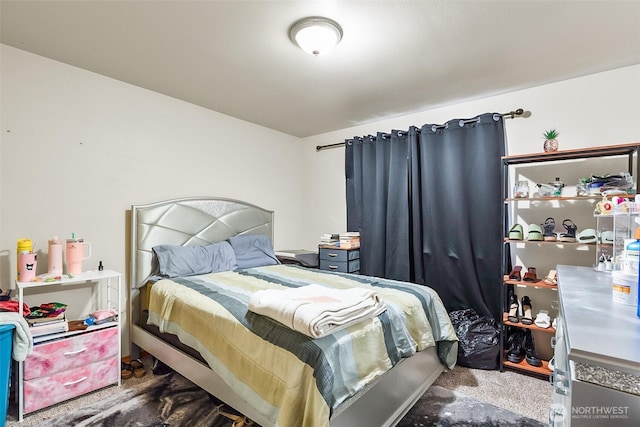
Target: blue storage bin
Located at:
point(6, 346)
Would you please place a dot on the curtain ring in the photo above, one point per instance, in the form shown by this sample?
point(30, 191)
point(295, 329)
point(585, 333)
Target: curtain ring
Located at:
point(384, 136)
point(400, 134)
point(496, 117)
point(370, 138)
point(434, 128)
point(350, 142)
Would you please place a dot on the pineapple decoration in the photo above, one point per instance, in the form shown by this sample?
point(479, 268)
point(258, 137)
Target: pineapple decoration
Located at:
point(550, 140)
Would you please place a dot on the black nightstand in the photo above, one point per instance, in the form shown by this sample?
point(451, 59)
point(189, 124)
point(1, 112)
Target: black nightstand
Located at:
point(333, 258)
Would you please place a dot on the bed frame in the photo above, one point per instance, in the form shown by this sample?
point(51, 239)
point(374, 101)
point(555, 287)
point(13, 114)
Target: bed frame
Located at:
point(201, 221)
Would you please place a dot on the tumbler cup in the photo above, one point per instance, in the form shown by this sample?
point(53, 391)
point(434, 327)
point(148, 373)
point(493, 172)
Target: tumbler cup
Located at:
point(27, 264)
point(24, 245)
point(77, 251)
point(54, 257)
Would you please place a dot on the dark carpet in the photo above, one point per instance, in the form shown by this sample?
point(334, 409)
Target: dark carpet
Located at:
point(171, 400)
point(440, 406)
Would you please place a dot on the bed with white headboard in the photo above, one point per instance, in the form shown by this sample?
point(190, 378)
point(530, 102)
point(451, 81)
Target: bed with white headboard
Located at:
point(383, 400)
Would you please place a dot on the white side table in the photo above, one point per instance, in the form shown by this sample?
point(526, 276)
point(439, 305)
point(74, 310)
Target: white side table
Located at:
point(86, 354)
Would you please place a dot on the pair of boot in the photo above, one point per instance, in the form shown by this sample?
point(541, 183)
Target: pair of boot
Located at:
point(520, 346)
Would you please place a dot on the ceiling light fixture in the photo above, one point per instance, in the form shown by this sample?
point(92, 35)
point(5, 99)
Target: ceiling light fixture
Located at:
point(315, 35)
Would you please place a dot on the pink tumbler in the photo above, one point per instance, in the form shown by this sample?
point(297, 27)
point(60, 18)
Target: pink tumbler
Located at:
point(27, 264)
point(55, 257)
point(77, 251)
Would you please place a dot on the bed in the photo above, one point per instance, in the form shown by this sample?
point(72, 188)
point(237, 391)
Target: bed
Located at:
point(241, 358)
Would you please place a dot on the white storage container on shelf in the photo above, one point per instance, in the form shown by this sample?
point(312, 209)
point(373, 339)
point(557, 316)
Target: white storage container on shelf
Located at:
point(617, 219)
point(624, 288)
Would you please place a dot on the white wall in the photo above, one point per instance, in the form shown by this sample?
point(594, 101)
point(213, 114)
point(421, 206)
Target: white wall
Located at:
point(600, 109)
point(78, 149)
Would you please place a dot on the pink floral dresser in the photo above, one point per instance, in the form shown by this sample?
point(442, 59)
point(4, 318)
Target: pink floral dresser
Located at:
point(59, 370)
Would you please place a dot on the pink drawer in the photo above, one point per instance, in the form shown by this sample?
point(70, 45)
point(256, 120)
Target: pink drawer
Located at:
point(57, 356)
point(52, 389)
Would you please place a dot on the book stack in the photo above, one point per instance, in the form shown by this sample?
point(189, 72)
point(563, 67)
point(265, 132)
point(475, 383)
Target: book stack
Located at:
point(330, 239)
point(349, 240)
point(48, 325)
point(47, 319)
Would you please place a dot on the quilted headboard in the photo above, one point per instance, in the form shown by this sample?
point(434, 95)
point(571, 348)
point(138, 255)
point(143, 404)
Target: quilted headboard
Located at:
point(190, 221)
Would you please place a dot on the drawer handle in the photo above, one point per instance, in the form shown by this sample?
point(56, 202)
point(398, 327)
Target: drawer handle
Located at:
point(333, 267)
point(70, 383)
point(73, 353)
point(553, 342)
point(332, 254)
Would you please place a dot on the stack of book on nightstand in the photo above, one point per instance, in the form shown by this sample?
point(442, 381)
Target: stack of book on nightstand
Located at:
point(350, 240)
point(331, 239)
point(47, 319)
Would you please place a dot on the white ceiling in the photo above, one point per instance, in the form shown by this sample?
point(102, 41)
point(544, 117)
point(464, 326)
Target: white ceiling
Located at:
point(396, 57)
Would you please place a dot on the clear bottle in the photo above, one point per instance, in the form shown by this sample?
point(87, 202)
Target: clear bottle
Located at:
point(557, 187)
point(582, 187)
point(521, 190)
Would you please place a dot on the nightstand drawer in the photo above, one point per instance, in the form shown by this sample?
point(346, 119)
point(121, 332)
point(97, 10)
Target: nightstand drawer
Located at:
point(343, 267)
point(55, 356)
point(49, 390)
point(339, 255)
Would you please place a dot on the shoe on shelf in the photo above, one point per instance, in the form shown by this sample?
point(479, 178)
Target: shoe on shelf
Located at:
point(551, 278)
point(588, 235)
point(527, 309)
point(549, 225)
point(535, 233)
point(570, 235)
point(516, 232)
point(515, 346)
point(513, 308)
point(606, 237)
point(529, 350)
point(530, 275)
point(552, 364)
point(543, 320)
point(515, 273)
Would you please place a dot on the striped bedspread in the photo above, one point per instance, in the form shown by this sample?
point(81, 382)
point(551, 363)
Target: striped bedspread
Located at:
point(292, 379)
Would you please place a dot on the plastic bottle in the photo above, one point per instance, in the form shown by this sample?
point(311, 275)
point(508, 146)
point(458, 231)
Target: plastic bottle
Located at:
point(55, 256)
point(557, 187)
point(632, 253)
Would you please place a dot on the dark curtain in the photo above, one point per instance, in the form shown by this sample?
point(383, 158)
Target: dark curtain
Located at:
point(376, 176)
point(428, 205)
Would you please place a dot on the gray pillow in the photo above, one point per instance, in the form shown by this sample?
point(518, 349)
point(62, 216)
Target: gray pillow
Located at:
point(174, 261)
point(253, 250)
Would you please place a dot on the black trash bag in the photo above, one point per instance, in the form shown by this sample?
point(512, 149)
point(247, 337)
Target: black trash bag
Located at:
point(479, 339)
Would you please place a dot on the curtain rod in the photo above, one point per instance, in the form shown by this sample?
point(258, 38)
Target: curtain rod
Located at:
point(511, 114)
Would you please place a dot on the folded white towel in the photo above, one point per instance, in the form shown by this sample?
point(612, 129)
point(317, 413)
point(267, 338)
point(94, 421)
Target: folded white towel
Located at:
point(317, 310)
point(22, 339)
